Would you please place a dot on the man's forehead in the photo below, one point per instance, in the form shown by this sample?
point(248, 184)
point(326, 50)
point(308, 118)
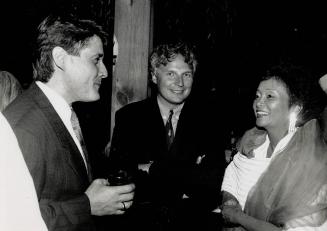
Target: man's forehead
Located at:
point(94, 45)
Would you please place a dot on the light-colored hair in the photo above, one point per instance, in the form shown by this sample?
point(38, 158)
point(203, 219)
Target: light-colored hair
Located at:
point(10, 88)
point(165, 53)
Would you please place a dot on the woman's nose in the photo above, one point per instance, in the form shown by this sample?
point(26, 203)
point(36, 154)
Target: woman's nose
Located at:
point(260, 101)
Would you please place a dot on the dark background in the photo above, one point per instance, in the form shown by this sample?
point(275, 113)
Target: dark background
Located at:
point(235, 40)
point(18, 23)
point(238, 40)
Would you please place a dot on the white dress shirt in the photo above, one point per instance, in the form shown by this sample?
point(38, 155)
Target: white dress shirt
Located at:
point(63, 110)
point(165, 114)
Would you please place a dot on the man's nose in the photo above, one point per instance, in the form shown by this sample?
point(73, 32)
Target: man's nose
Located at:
point(103, 71)
point(179, 80)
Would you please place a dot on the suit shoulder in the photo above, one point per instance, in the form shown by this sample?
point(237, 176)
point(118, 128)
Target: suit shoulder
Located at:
point(23, 112)
point(17, 110)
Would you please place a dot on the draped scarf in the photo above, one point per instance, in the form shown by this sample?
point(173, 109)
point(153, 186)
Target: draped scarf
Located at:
point(294, 184)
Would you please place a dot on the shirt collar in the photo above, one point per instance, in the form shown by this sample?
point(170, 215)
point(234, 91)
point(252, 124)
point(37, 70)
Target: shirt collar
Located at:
point(164, 110)
point(58, 102)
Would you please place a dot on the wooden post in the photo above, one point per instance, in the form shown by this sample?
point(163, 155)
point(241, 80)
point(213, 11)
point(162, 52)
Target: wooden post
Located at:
point(133, 28)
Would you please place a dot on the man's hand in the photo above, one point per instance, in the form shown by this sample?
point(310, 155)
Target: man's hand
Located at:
point(109, 200)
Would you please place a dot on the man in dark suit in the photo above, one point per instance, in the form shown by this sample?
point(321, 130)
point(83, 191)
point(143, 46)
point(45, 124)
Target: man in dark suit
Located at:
point(169, 143)
point(69, 68)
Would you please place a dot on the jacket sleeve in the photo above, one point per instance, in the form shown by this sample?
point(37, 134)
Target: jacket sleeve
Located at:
point(61, 196)
point(68, 213)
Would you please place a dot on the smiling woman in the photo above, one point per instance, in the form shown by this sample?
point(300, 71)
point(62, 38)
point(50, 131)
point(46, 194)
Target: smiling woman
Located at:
point(265, 180)
point(273, 111)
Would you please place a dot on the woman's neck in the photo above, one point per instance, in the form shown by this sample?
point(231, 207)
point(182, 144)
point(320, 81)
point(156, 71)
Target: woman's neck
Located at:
point(275, 136)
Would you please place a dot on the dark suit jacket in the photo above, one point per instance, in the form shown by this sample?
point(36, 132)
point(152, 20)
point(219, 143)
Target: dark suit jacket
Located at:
point(54, 161)
point(139, 137)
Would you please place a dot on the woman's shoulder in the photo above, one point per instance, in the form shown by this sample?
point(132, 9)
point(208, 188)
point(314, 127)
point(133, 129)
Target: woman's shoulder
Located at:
point(251, 139)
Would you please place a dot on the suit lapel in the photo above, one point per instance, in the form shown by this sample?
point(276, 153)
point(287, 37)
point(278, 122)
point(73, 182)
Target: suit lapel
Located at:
point(159, 127)
point(182, 121)
point(184, 129)
point(75, 159)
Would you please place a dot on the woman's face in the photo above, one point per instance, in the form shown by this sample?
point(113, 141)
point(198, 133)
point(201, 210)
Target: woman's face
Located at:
point(271, 105)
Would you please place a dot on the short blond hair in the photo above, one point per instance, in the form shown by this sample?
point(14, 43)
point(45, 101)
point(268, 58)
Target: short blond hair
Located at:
point(10, 88)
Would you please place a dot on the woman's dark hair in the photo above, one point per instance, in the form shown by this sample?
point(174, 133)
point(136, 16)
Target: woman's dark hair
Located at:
point(302, 88)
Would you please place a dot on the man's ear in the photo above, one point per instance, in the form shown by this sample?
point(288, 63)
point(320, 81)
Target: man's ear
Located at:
point(154, 77)
point(58, 55)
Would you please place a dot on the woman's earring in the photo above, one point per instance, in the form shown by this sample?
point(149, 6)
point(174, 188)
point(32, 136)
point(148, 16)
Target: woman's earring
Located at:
point(292, 123)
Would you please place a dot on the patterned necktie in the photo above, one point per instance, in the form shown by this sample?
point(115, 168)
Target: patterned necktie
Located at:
point(78, 132)
point(169, 129)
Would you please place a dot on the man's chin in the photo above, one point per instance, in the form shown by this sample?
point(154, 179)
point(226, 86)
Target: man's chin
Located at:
point(177, 102)
point(92, 98)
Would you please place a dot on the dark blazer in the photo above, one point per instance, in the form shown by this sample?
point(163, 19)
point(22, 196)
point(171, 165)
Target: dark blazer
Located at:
point(57, 168)
point(139, 137)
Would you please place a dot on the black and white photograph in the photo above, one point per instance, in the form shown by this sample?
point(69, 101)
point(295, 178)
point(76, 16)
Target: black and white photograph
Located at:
point(163, 115)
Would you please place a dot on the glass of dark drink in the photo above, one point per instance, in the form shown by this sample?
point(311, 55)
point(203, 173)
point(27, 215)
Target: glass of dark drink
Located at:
point(120, 177)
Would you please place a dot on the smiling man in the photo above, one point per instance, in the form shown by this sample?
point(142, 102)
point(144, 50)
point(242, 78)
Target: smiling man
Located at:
point(68, 68)
point(165, 142)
